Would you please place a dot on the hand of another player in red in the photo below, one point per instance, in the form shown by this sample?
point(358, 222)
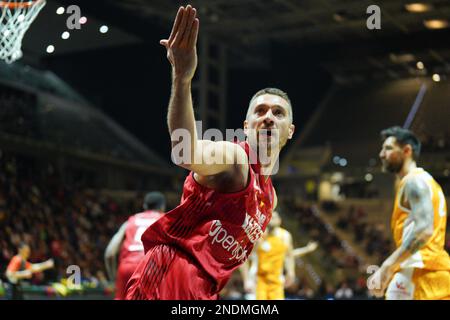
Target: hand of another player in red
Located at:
point(181, 45)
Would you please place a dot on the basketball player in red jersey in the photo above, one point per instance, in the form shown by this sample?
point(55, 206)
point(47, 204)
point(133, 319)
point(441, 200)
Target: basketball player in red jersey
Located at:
point(228, 196)
point(128, 241)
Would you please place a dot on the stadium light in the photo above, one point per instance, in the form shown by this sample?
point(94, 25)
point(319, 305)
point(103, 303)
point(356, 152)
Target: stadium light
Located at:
point(436, 24)
point(50, 49)
point(336, 159)
point(104, 29)
point(418, 7)
point(60, 10)
point(368, 177)
point(343, 162)
point(65, 35)
point(436, 77)
point(420, 65)
point(83, 20)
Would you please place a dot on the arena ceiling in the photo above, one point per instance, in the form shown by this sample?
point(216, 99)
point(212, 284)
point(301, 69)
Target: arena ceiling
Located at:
point(333, 31)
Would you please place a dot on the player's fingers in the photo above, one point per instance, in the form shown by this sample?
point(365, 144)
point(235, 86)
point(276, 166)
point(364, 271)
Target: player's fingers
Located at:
point(176, 24)
point(182, 28)
point(194, 33)
point(189, 25)
point(164, 42)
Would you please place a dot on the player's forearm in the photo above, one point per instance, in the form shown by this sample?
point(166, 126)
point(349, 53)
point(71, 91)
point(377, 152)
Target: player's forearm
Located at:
point(244, 270)
point(290, 265)
point(18, 275)
point(111, 267)
point(39, 267)
point(300, 252)
point(410, 245)
point(181, 114)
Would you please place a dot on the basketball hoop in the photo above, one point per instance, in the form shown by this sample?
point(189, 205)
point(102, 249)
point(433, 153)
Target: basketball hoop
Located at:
point(16, 17)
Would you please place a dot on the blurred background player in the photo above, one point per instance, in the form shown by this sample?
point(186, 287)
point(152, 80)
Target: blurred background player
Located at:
point(273, 252)
point(420, 267)
point(128, 241)
point(20, 268)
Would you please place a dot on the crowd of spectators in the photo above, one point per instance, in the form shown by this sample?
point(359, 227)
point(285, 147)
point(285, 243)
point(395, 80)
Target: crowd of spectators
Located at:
point(63, 222)
point(318, 230)
point(16, 115)
point(435, 143)
point(373, 237)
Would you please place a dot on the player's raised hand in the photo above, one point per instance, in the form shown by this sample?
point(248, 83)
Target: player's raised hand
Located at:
point(181, 45)
point(50, 263)
point(312, 245)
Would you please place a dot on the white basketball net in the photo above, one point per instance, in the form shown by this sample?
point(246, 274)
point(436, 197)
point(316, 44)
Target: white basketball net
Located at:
point(16, 17)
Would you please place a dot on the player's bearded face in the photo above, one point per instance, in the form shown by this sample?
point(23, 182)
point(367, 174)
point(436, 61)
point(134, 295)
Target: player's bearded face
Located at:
point(391, 156)
point(268, 125)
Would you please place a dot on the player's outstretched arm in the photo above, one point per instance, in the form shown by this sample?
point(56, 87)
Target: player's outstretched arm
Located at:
point(300, 252)
point(14, 276)
point(248, 271)
point(39, 267)
point(203, 157)
point(418, 199)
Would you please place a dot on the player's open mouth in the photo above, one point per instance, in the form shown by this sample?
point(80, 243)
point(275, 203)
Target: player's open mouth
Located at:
point(266, 132)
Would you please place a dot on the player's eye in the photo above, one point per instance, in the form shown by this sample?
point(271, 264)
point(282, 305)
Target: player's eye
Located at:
point(278, 113)
point(260, 111)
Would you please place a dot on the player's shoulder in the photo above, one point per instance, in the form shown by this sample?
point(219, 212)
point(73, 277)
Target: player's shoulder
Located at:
point(16, 259)
point(418, 183)
point(284, 234)
point(14, 262)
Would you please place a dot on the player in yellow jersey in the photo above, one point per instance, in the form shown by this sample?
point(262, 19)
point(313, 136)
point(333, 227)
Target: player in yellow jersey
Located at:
point(273, 254)
point(420, 267)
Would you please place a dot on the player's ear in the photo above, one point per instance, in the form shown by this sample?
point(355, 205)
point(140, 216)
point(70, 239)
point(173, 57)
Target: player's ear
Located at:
point(246, 127)
point(291, 131)
point(407, 150)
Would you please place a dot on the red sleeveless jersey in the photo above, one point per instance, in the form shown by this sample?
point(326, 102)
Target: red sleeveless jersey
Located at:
point(217, 230)
point(132, 249)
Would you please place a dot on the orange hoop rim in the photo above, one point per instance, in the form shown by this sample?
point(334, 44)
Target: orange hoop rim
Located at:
point(19, 5)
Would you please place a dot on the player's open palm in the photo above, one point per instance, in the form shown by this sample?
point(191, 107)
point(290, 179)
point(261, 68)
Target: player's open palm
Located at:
point(181, 45)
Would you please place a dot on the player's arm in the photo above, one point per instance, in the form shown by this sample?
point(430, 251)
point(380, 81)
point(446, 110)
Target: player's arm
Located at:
point(248, 271)
point(289, 261)
point(418, 199)
point(13, 276)
point(39, 267)
point(112, 252)
point(300, 252)
point(204, 157)
point(418, 196)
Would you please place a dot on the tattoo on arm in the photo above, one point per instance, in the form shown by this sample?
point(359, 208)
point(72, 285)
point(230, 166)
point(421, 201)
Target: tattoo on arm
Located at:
point(418, 196)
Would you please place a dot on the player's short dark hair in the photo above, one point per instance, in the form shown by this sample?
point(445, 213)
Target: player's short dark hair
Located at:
point(154, 201)
point(403, 137)
point(22, 244)
point(276, 92)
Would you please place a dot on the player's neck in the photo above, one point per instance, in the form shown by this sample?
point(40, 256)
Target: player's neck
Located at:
point(408, 166)
point(271, 230)
point(267, 168)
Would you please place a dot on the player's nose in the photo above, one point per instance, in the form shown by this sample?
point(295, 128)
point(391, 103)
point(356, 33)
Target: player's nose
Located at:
point(269, 119)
